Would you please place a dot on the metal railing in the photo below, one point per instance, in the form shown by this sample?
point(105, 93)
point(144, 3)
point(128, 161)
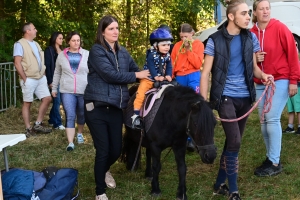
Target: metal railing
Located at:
point(8, 85)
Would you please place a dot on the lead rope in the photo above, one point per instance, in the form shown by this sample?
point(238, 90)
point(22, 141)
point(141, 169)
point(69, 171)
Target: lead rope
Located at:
point(266, 108)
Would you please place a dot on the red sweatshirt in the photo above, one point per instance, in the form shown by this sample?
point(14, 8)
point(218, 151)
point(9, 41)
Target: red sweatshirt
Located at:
point(188, 61)
point(281, 59)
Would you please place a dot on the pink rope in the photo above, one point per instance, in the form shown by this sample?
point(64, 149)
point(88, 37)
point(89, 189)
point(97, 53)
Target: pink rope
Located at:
point(267, 105)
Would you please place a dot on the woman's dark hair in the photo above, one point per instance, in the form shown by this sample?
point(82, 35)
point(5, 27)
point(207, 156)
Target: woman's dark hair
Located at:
point(102, 24)
point(232, 6)
point(185, 28)
point(52, 40)
point(70, 35)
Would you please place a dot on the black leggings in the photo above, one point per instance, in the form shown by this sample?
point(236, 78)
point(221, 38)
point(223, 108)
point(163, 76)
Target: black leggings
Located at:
point(105, 124)
point(232, 108)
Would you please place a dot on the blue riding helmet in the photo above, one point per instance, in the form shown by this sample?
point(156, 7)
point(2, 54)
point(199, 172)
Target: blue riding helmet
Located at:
point(160, 34)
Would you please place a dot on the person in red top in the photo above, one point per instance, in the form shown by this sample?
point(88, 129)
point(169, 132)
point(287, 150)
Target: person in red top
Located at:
point(187, 56)
point(278, 56)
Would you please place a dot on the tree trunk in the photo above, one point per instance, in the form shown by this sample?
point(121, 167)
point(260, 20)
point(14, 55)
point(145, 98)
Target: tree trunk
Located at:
point(128, 22)
point(2, 18)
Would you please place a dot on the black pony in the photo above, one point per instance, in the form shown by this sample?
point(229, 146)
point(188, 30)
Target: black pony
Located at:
point(182, 113)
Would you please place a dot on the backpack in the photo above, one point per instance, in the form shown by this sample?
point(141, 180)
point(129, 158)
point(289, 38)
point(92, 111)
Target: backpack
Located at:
point(60, 184)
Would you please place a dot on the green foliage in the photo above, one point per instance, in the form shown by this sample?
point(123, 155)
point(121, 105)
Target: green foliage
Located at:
point(48, 16)
point(137, 19)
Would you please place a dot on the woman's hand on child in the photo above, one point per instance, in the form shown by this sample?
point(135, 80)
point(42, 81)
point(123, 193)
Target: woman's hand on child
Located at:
point(142, 74)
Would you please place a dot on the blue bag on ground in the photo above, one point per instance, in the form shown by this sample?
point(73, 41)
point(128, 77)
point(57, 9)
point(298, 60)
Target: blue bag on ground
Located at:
point(60, 186)
point(17, 184)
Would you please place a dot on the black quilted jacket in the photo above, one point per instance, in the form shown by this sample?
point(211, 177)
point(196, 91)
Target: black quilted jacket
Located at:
point(109, 75)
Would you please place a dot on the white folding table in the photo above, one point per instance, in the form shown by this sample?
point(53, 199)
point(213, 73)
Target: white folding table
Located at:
point(5, 141)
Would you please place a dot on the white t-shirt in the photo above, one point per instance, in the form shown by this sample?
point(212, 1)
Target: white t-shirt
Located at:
point(18, 51)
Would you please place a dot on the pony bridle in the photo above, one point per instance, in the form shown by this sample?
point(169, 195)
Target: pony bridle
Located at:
point(198, 147)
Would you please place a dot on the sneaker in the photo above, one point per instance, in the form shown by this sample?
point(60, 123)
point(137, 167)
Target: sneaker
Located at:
point(267, 163)
point(269, 171)
point(289, 130)
point(221, 190)
point(101, 197)
point(60, 127)
point(190, 146)
point(136, 121)
point(29, 132)
point(80, 139)
point(70, 147)
point(234, 196)
point(298, 131)
point(109, 180)
point(41, 128)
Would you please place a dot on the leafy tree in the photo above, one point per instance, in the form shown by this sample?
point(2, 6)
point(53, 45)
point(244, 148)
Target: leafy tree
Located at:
point(137, 19)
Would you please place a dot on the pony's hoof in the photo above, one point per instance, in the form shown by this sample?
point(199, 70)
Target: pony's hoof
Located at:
point(155, 195)
point(149, 178)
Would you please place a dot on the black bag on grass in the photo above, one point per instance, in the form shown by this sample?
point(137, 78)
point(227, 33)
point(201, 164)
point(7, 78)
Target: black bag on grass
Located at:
point(60, 184)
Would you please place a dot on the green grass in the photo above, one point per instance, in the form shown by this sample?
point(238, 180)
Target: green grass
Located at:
point(35, 153)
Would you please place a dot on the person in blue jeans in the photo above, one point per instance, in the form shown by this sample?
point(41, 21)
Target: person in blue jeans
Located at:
point(51, 53)
point(278, 56)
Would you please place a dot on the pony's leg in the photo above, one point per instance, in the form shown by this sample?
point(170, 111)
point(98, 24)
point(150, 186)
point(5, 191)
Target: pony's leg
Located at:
point(148, 171)
point(181, 168)
point(156, 167)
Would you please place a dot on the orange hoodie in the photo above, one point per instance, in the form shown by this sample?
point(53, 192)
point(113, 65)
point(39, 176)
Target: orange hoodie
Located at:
point(188, 61)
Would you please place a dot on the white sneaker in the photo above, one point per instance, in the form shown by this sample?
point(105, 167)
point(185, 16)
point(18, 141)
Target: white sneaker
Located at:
point(136, 120)
point(109, 180)
point(101, 197)
point(80, 139)
point(70, 147)
point(60, 127)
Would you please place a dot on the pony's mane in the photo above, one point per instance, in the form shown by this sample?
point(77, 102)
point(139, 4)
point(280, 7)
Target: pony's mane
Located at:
point(185, 94)
point(183, 98)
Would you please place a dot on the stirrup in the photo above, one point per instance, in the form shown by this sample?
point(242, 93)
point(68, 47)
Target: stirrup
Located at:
point(137, 122)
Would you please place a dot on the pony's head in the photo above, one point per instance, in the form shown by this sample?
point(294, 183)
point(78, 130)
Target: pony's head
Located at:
point(200, 128)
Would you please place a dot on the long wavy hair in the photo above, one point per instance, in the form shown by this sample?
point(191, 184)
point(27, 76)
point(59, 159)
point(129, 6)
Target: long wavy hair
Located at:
point(52, 40)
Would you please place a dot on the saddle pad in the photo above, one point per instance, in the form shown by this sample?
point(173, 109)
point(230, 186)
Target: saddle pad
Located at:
point(148, 120)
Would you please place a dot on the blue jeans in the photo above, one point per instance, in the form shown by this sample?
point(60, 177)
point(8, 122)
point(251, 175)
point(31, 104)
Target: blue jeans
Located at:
point(54, 116)
point(191, 80)
point(73, 106)
point(271, 127)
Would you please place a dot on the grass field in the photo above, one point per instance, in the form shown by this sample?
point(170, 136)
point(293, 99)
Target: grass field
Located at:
point(49, 150)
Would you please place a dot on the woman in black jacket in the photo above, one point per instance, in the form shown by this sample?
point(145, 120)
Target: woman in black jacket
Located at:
point(111, 68)
point(51, 53)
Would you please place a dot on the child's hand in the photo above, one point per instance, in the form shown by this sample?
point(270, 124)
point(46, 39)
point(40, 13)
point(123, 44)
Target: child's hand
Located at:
point(169, 78)
point(159, 78)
